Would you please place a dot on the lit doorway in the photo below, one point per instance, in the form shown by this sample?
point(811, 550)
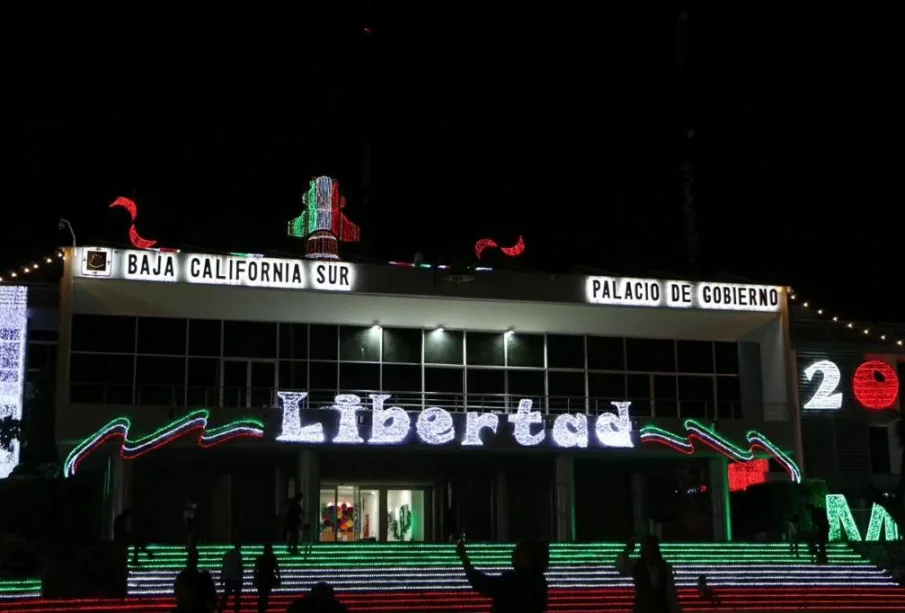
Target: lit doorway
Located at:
point(351, 513)
point(247, 383)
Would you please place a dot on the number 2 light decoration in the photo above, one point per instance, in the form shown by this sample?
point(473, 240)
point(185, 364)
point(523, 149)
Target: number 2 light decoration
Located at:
point(875, 385)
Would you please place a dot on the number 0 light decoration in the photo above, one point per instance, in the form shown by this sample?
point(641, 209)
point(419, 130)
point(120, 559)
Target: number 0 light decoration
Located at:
point(13, 329)
point(131, 449)
point(875, 385)
point(716, 442)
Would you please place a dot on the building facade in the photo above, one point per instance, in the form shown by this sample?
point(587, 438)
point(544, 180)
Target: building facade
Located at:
point(849, 390)
point(408, 403)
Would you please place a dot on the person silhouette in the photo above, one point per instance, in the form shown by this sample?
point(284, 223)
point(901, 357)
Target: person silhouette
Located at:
point(321, 599)
point(266, 576)
point(520, 590)
point(655, 586)
point(231, 576)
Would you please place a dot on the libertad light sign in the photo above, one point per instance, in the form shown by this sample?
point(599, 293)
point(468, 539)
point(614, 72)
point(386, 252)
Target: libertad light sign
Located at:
point(626, 291)
point(436, 427)
point(242, 270)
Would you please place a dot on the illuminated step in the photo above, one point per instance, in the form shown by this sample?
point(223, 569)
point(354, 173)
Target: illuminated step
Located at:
point(411, 554)
point(435, 567)
point(12, 589)
point(571, 601)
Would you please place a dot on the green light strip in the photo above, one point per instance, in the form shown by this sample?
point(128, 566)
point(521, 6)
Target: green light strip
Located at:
point(384, 555)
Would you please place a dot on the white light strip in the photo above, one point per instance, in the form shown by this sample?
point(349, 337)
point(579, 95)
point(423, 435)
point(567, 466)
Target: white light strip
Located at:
point(13, 330)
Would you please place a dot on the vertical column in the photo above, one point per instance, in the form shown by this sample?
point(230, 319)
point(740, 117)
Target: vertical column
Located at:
point(564, 516)
point(719, 497)
point(307, 481)
point(639, 506)
point(117, 491)
point(501, 505)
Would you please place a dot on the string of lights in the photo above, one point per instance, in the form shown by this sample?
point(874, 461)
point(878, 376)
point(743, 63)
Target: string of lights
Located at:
point(34, 266)
point(866, 330)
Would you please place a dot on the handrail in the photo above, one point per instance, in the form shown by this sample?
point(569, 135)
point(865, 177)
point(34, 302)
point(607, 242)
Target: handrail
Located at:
point(265, 397)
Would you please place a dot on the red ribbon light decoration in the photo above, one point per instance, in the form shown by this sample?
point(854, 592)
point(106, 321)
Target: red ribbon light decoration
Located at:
point(488, 243)
point(137, 241)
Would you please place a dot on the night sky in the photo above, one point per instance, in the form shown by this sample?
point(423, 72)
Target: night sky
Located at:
point(567, 127)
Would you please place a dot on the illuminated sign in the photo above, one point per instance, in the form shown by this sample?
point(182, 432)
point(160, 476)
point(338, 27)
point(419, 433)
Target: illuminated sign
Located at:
point(249, 271)
point(624, 291)
point(874, 384)
point(341, 424)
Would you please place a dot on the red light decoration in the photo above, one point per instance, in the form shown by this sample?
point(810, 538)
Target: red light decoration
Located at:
point(809, 596)
point(488, 243)
point(876, 385)
point(743, 475)
point(137, 241)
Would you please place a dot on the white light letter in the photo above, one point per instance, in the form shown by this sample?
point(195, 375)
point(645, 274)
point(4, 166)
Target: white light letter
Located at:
point(435, 426)
point(348, 405)
point(571, 430)
point(523, 421)
point(826, 396)
point(613, 430)
point(474, 423)
point(293, 431)
point(388, 426)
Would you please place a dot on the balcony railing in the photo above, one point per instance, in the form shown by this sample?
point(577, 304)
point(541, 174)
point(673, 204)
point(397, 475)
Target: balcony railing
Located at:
point(265, 397)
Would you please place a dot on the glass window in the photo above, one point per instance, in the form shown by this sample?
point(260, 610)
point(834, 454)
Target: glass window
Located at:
point(486, 381)
point(606, 353)
point(696, 397)
point(160, 380)
point(359, 344)
point(368, 514)
point(406, 515)
point(294, 375)
point(443, 347)
point(293, 341)
point(607, 386)
point(249, 339)
point(565, 351)
point(566, 391)
point(525, 350)
point(443, 387)
point(162, 336)
point(726, 358)
point(484, 348)
point(324, 342)
point(728, 396)
point(360, 379)
point(203, 381)
point(402, 345)
point(204, 337)
point(639, 387)
point(665, 396)
point(527, 383)
point(650, 355)
point(443, 380)
point(323, 377)
point(695, 357)
point(42, 357)
point(109, 333)
point(401, 378)
point(101, 378)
